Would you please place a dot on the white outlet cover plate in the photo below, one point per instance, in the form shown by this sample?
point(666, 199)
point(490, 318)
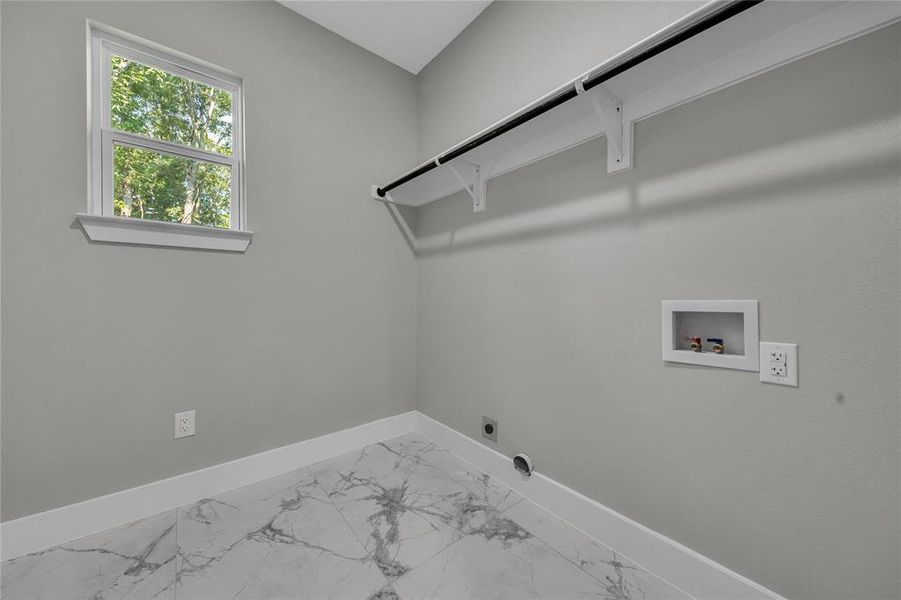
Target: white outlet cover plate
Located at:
point(184, 424)
point(767, 360)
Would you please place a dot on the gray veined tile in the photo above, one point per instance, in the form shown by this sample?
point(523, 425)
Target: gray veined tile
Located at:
point(134, 562)
point(281, 538)
point(407, 499)
point(339, 475)
point(427, 454)
point(412, 446)
point(484, 488)
point(622, 579)
point(500, 560)
point(401, 511)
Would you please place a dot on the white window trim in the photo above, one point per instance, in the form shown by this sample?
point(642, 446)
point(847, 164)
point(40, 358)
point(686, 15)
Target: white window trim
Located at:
point(99, 222)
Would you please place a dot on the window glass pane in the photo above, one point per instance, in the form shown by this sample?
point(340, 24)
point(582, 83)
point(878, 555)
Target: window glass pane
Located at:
point(161, 187)
point(151, 102)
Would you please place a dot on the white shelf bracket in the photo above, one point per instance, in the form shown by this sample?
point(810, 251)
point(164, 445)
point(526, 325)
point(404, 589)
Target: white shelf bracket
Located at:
point(475, 184)
point(609, 109)
point(375, 195)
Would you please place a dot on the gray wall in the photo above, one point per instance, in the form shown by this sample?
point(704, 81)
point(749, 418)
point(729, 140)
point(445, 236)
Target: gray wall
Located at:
point(310, 331)
point(544, 312)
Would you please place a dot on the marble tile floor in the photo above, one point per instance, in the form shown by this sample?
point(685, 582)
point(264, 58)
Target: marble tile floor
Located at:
point(402, 519)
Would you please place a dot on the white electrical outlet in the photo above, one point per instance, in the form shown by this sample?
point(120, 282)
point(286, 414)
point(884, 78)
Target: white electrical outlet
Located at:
point(778, 370)
point(776, 356)
point(779, 363)
point(184, 424)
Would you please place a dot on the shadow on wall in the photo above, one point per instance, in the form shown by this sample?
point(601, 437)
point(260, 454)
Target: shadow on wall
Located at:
point(760, 132)
point(582, 203)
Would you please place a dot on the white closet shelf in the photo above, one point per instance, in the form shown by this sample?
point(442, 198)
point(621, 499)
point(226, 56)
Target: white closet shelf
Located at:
point(757, 39)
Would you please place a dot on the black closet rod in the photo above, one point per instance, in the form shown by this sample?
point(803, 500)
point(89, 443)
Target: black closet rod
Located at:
point(726, 11)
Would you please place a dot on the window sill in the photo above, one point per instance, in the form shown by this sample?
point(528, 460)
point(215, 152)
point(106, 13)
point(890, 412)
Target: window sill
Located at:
point(125, 230)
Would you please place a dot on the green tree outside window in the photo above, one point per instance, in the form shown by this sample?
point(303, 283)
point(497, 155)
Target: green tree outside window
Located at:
point(158, 186)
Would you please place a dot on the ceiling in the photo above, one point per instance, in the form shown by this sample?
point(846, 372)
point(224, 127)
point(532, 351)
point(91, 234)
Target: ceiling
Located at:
point(409, 33)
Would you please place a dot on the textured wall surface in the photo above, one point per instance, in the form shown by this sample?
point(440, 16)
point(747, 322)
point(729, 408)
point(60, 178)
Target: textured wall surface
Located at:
point(311, 331)
point(544, 312)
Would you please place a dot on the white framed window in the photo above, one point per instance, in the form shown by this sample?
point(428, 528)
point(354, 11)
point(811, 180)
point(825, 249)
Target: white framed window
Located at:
point(166, 147)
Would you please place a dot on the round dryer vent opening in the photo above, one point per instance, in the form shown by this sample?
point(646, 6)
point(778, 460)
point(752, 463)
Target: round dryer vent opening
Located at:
point(522, 464)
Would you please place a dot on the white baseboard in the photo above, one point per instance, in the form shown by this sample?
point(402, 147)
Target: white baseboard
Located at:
point(42, 530)
point(697, 575)
point(702, 578)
